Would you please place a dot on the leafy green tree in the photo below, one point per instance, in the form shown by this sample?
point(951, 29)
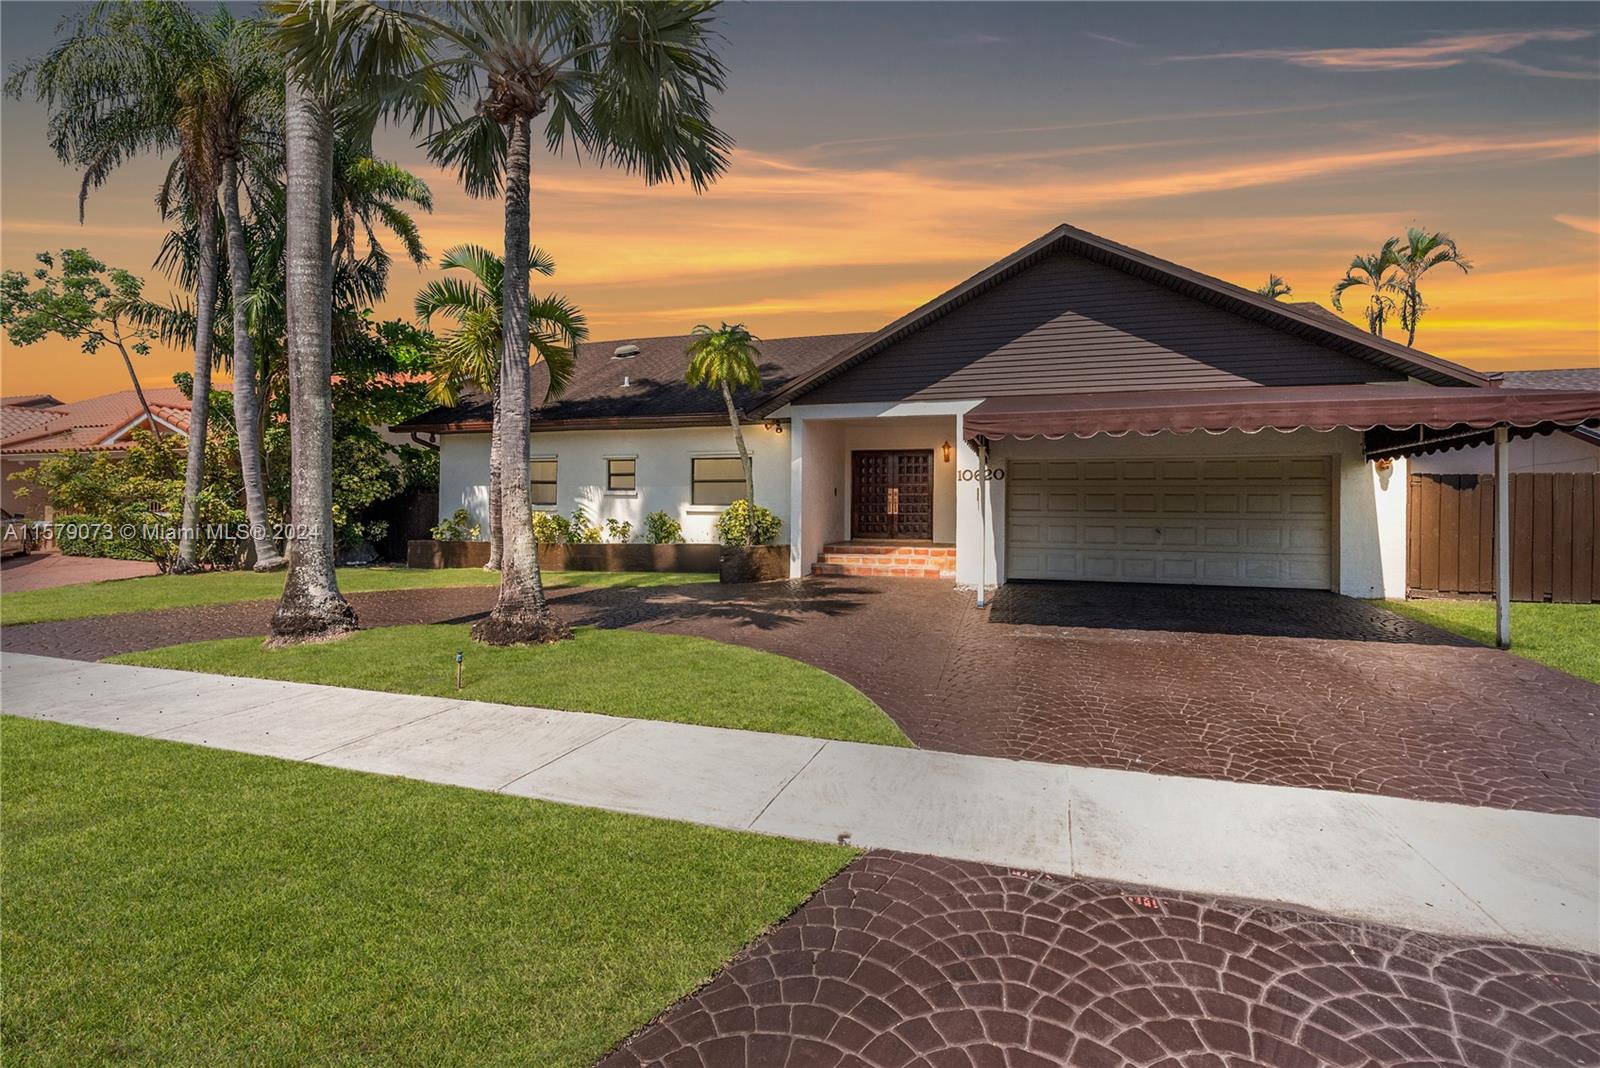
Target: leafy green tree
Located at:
point(85, 302)
point(725, 359)
point(470, 354)
point(627, 84)
point(1414, 257)
point(1276, 288)
point(1375, 273)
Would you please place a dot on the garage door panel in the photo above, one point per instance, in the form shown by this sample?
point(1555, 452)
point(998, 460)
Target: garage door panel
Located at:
point(1259, 521)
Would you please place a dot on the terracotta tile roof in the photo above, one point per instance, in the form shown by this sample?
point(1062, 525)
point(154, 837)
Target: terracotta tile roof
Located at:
point(17, 420)
point(655, 390)
point(29, 400)
point(85, 425)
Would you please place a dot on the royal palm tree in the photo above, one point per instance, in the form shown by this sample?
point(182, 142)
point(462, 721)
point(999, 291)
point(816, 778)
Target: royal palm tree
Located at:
point(725, 359)
point(1376, 272)
point(470, 354)
point(1276, 288)
point(627, 84)
point(312, 606)
point(1414, 257)
point(151, 77)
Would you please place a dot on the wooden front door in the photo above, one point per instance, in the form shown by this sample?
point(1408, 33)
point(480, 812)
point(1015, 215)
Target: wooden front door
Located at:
point(892, 495)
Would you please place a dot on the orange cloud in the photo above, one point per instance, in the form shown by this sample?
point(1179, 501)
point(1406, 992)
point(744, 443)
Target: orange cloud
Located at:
point(1433, 53)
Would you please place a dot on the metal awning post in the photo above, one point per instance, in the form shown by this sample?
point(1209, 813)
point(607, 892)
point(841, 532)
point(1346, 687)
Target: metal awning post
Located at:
point(1502, 536)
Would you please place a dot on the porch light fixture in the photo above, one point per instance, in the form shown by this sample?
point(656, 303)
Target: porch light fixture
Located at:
point(945, 451)
point(774, 425)
point(1383, 463)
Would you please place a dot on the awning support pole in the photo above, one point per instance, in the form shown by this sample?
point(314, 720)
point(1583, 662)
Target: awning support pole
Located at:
point(1502, 536)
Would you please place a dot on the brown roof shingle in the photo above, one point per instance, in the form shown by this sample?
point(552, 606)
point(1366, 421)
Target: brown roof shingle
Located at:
point(655, 390)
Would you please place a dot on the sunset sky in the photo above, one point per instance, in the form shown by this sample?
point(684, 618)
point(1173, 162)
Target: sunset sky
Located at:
point(886, 151)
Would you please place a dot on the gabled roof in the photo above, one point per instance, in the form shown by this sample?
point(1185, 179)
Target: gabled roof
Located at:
point(1314, 323)
point(655, 393)
point(95, 424)
point(29, 400)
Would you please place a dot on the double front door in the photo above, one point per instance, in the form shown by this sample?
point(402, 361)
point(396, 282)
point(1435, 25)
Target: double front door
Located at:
point(892, 495)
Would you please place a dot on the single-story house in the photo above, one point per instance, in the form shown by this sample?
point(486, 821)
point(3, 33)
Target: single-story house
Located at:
point(38, 426)
point(1078, 410)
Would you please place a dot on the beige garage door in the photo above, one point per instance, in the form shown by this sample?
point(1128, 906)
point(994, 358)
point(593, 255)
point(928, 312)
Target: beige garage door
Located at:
point(1263, 521)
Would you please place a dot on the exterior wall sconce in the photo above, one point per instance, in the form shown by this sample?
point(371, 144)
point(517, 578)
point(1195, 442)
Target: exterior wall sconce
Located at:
point(773, 425)
point(945, 451)
point(1383, 463)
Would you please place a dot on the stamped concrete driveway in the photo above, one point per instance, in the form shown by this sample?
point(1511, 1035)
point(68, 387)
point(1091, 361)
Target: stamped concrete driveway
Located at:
point(1278, 687)
point(906, 960)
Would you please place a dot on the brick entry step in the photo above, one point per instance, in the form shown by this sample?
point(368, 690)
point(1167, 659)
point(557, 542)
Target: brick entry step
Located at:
point(887, 559)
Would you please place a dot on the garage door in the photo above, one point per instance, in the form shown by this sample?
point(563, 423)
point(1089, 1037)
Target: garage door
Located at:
point(1263, 521)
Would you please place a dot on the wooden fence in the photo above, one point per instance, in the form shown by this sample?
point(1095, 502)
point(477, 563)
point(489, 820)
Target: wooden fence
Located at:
point(1555, 536)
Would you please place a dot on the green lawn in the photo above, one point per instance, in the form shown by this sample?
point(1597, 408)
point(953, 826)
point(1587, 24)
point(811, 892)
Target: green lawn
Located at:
point(1565, 636)
point(173, 905)
point(613, 672)
point(223, 587)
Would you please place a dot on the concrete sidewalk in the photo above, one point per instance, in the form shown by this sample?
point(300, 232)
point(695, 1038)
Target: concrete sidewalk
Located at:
point(1527, 876)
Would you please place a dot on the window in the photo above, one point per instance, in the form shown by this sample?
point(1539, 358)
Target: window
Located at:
point(620, 476)
point(541, 482)
point(716, 480)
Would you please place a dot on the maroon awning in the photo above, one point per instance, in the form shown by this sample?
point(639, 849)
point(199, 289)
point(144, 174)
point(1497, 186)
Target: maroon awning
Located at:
point(1254, 408)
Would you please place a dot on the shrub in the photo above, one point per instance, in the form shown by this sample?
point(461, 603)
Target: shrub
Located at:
point(619, 531)
point(661, 529)
point(458, 527)
point(582, 531)
point(732, 522)
point(551, 528)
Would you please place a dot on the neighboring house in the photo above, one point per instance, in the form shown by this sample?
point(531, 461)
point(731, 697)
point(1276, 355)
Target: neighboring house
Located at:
point(1035, 422)
point(1573, 450)
point(37, 427)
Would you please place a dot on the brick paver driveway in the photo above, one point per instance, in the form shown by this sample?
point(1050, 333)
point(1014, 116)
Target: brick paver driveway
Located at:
point(1279, 687)
point(903, 960)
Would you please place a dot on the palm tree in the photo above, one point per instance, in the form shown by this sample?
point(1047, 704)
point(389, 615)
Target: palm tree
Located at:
point(150, 77)
point(312, 606)
point(1276, 288)
point(1377, 273)
point(471, 353)
point(725, 359)
point(1419, 253)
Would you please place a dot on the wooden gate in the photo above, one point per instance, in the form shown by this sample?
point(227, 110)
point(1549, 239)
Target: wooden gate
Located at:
point(1555, 536)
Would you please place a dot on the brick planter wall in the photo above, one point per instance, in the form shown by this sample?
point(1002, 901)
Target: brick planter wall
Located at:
point(428, 553)
point(629, 557)
point(552, 557)
point(759, 563)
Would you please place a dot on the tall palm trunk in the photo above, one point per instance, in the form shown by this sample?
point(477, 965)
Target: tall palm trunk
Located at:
point(749, 468)
point(520, 613)
point(496, 535)
point(312, 606)
point(246, 394)
point(205, 310)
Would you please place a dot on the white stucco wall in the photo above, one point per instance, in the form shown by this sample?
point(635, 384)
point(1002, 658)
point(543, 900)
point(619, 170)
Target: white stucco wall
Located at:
point(663, 473)
point(1370, 506)
point(1542, 452)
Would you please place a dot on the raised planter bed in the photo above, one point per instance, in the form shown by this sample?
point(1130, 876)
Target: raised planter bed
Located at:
point(428, 553)
point(630, 557)
point(759, 563)
point(633, 557)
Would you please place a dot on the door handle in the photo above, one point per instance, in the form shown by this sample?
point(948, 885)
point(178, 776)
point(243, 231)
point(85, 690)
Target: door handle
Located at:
point(894, 501)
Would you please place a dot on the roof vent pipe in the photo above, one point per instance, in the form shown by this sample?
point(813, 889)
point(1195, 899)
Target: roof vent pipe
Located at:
point(625, 381)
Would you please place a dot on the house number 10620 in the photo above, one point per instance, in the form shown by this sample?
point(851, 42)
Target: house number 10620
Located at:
point(987, 474)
